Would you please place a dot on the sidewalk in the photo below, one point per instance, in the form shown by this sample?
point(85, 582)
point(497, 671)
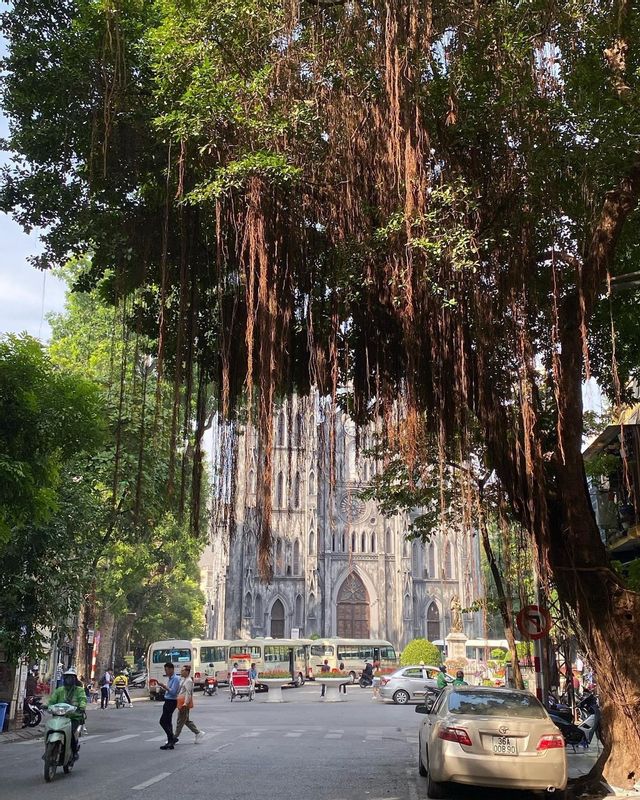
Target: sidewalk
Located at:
point(21, 734)
point(580, 763)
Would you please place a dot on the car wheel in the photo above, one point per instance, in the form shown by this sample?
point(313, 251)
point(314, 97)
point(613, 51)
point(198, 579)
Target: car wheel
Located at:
point(435, 790)
point(401, 697)
point(421, 767)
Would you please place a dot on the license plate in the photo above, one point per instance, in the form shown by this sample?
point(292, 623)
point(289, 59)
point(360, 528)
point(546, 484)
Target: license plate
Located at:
point(504, 746)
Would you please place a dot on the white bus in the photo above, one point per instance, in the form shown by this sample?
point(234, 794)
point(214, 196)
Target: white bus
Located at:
point(178, 651)
point(210, 657)
point(351, 654)
point(282, 655)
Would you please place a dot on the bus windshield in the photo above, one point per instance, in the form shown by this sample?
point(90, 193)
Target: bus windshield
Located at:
point(322, 650)
point(176, 656)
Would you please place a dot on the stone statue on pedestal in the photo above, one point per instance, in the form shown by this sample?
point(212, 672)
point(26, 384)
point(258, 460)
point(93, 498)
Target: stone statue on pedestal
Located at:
point(456, 615)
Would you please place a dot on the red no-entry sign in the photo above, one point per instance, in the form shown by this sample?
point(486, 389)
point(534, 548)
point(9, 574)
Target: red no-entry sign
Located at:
point(533, 622)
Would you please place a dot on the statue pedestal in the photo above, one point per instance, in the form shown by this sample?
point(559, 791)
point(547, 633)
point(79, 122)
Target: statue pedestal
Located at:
point(456, 645)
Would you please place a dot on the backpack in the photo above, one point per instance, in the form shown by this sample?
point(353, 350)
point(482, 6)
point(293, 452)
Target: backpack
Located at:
point(103, 681)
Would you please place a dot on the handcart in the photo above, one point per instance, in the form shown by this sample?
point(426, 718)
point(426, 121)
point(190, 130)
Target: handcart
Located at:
point(240, 683)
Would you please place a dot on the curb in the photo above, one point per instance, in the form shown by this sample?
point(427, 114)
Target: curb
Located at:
point(22, 735)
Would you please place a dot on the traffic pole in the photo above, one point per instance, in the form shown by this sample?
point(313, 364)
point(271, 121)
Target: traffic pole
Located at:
point(94, 654)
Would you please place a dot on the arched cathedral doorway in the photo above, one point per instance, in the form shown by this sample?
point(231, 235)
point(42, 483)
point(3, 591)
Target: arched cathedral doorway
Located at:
point(277, 620)
point(353, 609)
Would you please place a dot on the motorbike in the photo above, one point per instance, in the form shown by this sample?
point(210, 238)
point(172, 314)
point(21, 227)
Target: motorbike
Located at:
point(32, 715)
point(365, 680)
point(58, 750)
point(139, 680)
point(210, 686)
point(119, 697)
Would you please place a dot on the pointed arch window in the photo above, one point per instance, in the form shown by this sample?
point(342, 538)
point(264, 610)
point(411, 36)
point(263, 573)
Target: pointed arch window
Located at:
point(297, 429)
point(299, 611)
point(257, 611)
point(363, 542)
point(373, 543)
point(406, 549)
point(353, 541)
point(333, 543)
point(311, 607)
point(344, 543)
point(279, 565)
point(297, 566)
point(280, 490)
point(312, 483)
point(415, 547)
point(406, 607)
point(312, 542)
point(252, 482)
point(432, 560)
point(280, 433)
point(248, 606)
point(296, 490)
point(433, 622)
point(388, 542)
point(449, 568)
point(277, 620)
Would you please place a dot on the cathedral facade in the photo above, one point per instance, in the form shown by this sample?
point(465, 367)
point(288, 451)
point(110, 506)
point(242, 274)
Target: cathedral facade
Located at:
point(341, 568)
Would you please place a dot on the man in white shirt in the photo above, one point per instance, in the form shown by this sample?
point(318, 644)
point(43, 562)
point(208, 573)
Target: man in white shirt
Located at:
point(185, 704)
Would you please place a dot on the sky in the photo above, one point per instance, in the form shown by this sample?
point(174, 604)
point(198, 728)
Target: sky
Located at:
point(26, 294)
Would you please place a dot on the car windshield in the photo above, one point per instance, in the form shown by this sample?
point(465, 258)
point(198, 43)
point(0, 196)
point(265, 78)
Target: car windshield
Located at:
point(495, 704)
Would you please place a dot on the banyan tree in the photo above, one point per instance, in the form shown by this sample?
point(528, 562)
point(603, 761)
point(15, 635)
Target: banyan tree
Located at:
point(422, 201)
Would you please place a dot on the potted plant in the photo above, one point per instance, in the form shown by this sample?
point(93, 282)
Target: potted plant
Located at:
point(331, 683)
point(274, 679)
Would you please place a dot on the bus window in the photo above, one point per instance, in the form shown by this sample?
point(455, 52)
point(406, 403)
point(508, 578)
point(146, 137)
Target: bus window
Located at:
point(388, 654)
point(255, 651)
point(208, 654)
point(277, 654)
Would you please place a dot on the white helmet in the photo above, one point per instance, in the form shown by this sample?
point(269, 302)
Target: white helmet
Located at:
point(71, 671)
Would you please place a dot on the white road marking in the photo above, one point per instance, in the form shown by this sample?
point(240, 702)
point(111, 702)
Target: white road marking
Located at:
point(160, 777)
point(121, 738)
point(293, 734)
point(333, 736)
point(222, 746)
point(250, 734)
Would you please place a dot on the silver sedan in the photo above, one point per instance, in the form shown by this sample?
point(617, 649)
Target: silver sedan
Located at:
point(408, 683)
point(499, 738)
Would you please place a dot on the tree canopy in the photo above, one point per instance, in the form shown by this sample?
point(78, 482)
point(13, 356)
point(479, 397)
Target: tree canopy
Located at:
point(421, 201)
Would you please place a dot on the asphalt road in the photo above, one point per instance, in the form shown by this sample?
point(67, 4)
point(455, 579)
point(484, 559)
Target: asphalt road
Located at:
point(303, 749)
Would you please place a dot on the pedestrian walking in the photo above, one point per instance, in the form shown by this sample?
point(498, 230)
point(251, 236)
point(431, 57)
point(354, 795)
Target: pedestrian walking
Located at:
point(185, 704)
point(171, 689)
point(105, 688)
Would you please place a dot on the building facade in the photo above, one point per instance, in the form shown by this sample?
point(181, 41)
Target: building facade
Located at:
point(341, 568)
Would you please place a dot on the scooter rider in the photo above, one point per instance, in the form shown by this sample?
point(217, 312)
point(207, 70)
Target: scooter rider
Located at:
point(121, 681)
point(367, 672)
point(72, 693)
point(441, 680)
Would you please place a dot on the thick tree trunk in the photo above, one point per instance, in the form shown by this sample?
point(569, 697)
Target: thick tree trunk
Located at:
point(607, 614)
point(107, 624)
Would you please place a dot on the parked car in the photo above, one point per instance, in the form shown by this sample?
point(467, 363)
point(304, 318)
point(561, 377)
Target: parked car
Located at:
point(481, 736)
point(409, 683)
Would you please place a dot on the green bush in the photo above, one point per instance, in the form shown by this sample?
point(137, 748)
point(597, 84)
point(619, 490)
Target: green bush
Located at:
point(498, 653)
point(420, 650)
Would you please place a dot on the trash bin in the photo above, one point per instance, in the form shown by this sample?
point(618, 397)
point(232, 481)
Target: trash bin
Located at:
point(4, 717)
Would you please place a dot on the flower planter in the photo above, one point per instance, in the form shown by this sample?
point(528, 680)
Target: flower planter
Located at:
point(274, 695)
point(332, 693)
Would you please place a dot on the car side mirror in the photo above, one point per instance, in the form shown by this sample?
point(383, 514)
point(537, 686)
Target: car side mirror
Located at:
point(424, 708)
